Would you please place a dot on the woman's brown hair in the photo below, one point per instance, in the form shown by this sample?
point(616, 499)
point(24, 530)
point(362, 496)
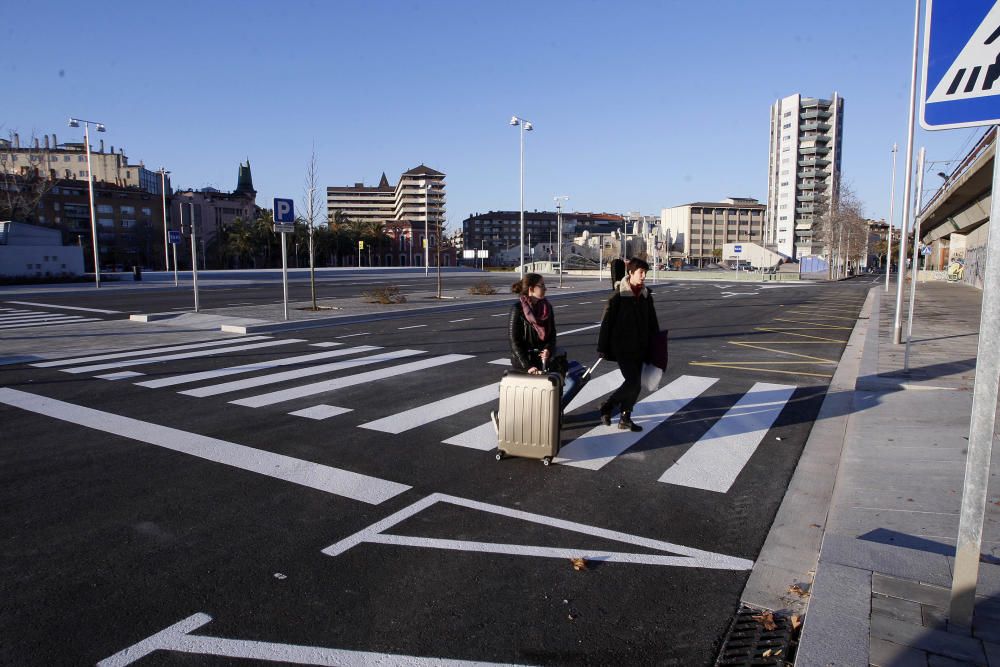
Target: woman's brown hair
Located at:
point(524, 285)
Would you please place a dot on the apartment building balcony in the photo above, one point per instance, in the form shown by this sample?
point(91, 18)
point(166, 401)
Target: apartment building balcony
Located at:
point(814, 114)
point(814, 162)
point(811, 197)
point(814, 126)
point(805, 209)
point(815, 174)
point(813, 150)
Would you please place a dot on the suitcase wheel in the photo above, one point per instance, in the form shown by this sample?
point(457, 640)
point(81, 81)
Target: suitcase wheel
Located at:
point(499, 455)
point(547, 460)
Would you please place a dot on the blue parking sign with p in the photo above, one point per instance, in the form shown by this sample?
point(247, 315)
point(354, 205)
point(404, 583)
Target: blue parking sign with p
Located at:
point(284, 211)
point(960, 82)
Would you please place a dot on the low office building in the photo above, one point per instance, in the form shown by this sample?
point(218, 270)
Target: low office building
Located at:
point(30, 251)
point(499, 232)
point(700, 230)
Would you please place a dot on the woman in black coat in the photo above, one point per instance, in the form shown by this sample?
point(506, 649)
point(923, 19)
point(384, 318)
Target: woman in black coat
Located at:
point(628, 324)
point(532, 326)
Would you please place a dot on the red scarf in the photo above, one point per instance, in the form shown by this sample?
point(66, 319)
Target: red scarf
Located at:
point(537, 314)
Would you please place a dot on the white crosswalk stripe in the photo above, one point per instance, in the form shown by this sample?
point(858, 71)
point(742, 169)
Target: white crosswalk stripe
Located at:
point(178, 355)
point(274, 378)
point(425, 414)
point(256, 366)
point(349, 381)
point(600, 445)
point(152, 350)
point(49, 322)
point(715, 461)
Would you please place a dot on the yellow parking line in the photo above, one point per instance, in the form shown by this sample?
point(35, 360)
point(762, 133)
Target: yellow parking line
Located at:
point(785, 352)
point(821, 341)
point(816, 325)
point(762, 370)
point(801, 335)
point(822, 316)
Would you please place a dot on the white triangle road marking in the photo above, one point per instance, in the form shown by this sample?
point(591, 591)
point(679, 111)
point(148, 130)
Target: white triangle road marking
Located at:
point(672, 554)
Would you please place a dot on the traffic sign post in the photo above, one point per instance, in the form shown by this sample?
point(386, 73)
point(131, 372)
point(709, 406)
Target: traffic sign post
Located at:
point(961, 88)
point(174, 237)
point(284, 222)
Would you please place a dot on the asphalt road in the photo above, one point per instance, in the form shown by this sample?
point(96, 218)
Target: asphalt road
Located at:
point(292, 508)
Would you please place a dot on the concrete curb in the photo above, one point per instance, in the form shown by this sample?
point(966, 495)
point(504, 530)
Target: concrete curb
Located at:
point(792, 547)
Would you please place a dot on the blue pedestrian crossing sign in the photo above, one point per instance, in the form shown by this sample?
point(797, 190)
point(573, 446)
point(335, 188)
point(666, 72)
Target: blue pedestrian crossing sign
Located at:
point(173, 236)
point(960, 79)
point(737, 248)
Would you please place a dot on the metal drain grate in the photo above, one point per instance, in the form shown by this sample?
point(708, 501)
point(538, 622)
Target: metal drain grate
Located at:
point(747, 641)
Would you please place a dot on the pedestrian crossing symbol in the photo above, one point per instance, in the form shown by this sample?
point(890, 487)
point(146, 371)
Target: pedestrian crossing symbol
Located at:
point(961, 65)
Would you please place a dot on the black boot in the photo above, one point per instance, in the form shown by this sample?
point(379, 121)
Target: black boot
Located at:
point(626, 423)
point(606, 409)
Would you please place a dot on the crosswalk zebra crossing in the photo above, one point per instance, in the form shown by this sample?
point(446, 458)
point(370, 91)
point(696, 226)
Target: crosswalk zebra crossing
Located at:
point(712, 463)
point(21, 318)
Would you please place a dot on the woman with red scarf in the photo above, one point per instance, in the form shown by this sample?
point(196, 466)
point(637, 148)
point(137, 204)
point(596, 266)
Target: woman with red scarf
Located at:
point(532, 326)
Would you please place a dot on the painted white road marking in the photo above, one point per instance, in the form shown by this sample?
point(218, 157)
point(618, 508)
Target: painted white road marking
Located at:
point(321, 411)
point(281, 396)
point(482, 437)
point(501, 362)
point(325, 344)
point(363, 333)
point(124, 375)
point(14, 318)
point(256, 366)
point(600, 445)
point(179, 355)
point(573, 331)
point(500, 315)
point(597, 387)
point(425, 414)
point(51, 322)
point(714, 462)
point(152, 350)
point(177, 638)
point(365, 488)
point(52, 305)
point(274, 378)
point(464, 319)
point(412, 326)
point(686, 556)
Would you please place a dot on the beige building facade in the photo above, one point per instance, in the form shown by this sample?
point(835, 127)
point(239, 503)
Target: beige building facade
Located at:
point(700, 230)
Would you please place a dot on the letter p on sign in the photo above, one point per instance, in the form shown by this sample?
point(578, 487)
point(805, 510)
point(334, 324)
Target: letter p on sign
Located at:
point(284, 211)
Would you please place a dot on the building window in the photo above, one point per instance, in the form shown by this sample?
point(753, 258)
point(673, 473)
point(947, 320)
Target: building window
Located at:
point(83, 173)
point(127, 210)
point(105, 208)
point(787, 114)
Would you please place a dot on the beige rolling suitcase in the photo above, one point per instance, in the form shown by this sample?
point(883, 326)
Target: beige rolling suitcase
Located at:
point(529, 419)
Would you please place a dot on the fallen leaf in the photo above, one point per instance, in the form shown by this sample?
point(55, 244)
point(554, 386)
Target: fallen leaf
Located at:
point(815, 525)
point(796, 622)
point(798, 590)
point(766, 619)
point(766, 654)
point(578, 564)
point(777, 653)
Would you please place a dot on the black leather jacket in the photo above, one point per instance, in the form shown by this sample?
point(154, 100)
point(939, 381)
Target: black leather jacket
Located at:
point(627, 325)
point(525, 345)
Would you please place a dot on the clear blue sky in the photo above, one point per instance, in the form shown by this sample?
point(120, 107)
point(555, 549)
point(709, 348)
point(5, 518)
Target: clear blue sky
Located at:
point(637, 105)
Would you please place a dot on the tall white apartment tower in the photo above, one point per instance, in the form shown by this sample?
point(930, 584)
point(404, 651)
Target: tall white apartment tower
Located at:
point(803, 172)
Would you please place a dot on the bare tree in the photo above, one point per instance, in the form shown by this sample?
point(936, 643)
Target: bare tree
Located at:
point(842, 230)
point(313, 203)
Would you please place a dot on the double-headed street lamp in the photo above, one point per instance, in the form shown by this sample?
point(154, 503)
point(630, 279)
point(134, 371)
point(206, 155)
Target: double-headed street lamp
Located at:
point(75, 122)
point(525, 126)
point(166, 244)
point(559, 200)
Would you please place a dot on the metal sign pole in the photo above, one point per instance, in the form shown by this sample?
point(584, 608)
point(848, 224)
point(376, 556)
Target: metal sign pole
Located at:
point(984, 404)
point(898, 322)
point(194, 258)
point(284, 269)
point(892, 204)
point(913, 262)
point(175, 264)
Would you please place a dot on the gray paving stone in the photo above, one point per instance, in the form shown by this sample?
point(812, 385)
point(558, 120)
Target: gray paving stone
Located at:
point(887, 654)
point(932, 641)
point(903, 610)
point(941, 661)
point(896, 561)
point(937, 596)
point(836, 629)
point(934, 617)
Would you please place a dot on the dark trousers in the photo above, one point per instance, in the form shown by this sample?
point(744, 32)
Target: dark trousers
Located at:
point(628, 393)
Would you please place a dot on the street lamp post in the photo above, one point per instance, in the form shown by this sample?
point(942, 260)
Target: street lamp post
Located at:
point(559, 200)
point(525, 126)
point(163, 193)
point(426, 187)
point(75, 122)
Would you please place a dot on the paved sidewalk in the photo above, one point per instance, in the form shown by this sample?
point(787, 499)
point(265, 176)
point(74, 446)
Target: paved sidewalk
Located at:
point(880, 595)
